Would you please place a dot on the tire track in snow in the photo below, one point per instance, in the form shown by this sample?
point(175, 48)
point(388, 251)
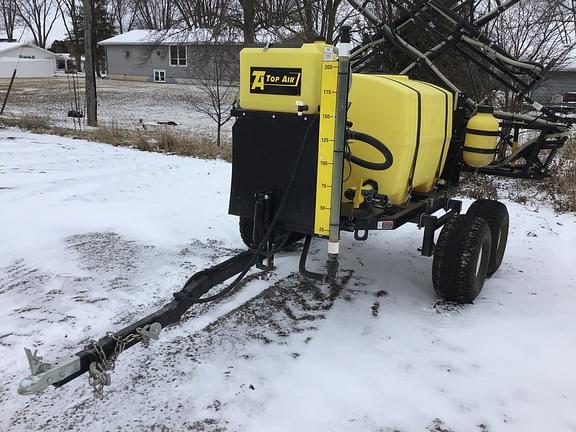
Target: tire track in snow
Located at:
point(289, 306)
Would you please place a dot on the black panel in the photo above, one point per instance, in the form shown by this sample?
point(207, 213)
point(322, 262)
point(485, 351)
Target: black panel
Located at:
point(265, 148)
point(276, 81)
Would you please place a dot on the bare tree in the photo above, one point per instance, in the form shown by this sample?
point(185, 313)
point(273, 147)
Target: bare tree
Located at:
point(216, 85)
point(319, 18)
point(155, 14)
point(39, 17)
point(283, 19)
point(278, 17)
point(209, 14)
point(9, 12)
point(248, 20)
point(536, 31)
point(123, 13)
point(71, 13)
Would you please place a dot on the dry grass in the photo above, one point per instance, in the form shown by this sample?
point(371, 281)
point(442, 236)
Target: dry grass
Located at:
point(560, 188)
point(478, 186)
point(28, 122)
point(201, 146)
point(162, 140)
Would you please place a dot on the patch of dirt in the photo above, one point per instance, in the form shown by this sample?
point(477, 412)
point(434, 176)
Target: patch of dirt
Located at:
point(438, 426)
point(21, 278)
point(210, 249)
point(108, 252)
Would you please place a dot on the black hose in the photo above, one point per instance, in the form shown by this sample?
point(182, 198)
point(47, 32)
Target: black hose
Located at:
point(302, 264)
point(378, 145)
point(271, 227)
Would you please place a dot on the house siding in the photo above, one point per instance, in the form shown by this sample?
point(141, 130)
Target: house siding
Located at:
point(42, 66)
point(557, 83)
point(134, 62)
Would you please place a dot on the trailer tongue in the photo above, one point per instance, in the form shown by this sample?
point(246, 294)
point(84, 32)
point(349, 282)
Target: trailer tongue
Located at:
point(98, 358)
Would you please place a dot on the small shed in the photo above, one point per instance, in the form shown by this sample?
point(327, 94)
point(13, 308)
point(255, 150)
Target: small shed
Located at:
point(167, 56)
point(30, 61)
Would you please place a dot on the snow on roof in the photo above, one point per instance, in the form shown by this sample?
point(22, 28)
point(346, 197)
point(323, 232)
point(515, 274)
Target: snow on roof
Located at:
point(183, 36)
point(172, 37)
point(9, 46)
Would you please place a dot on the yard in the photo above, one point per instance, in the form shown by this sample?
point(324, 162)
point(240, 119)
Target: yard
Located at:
point(122, 104)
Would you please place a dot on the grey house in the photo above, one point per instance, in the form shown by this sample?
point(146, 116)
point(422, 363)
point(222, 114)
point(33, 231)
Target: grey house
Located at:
point(171, 56)
point(556, 86)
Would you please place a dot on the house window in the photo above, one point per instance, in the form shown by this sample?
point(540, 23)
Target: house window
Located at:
point(178, 55)
point(159, 75)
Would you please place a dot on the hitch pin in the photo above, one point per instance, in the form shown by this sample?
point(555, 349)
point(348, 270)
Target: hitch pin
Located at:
point(45, 374)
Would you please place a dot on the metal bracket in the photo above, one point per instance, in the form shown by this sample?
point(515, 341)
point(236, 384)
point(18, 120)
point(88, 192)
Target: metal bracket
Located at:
point(149, 332)
point(263, 214)
point(45, 374)
point(454, 205)
point(429, 222)
point(362, 237)
point(98, 378)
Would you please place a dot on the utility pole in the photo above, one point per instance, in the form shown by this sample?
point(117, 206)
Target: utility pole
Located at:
point(8, 92)
point(89, 65)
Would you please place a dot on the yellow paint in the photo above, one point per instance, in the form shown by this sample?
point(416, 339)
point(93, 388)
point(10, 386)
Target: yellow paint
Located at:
point(258, 80)
point(383, 106)
point(358, 198)
point(483, 122)
point(328, 92)
point(307, 58)
point(386, 107)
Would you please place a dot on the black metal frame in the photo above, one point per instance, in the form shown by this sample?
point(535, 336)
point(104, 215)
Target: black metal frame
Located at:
point(419, 210)
point(453, 31)
point(171, 313)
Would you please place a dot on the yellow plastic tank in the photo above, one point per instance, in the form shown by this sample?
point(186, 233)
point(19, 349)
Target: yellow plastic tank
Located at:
point(413, 119)
point(481, 139)
point(275, 79)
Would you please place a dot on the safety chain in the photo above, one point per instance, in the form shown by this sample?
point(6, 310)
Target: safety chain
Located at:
point(99, 372)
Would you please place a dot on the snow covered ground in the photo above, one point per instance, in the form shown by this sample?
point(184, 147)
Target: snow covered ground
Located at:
point(94, 236)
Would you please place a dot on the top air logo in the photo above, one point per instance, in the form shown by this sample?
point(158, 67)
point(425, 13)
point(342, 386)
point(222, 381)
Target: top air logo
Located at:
point(280, 81)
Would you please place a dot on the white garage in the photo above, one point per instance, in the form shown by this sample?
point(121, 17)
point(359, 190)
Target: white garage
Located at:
point(29, 60)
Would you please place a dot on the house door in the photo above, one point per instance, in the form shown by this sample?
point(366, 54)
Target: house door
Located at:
point(160, 75)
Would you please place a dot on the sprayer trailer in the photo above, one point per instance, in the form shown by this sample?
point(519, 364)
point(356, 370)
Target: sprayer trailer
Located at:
point(318, 151)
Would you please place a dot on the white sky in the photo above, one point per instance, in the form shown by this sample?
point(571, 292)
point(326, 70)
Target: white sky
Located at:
point(58, 33)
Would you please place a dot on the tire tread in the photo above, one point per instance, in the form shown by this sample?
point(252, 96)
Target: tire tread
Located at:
point(496, 214)
point(451, 268)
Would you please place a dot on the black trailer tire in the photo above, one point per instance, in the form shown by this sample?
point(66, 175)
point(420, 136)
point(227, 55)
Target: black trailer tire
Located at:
point(496, 214)
point(461, 259)
point(246, 227)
